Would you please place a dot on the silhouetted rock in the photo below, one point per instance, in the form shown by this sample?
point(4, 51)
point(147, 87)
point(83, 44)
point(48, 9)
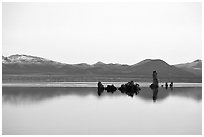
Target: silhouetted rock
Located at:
point(171, 85)
point(154, 86)
point(166, 85)
point(130, 88)
point(111, 88)
point(151, 86)
point(100, 88)
point(137, 88)
point(122, 88)
point(155, 80)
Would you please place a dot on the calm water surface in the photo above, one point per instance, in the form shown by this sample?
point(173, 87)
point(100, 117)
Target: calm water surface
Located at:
point(78, 110)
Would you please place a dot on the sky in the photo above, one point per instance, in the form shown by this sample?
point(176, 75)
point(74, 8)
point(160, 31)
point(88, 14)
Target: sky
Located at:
point(110, 32)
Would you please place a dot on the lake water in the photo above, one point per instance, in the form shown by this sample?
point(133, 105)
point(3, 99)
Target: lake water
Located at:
point(78, 110)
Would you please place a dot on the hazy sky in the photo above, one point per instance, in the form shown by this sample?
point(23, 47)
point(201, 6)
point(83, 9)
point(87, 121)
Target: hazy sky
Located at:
point(109, 32)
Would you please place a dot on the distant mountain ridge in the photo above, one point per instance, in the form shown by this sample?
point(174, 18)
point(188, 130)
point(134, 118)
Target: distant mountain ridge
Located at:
point(194, 67)
point(197, 64)
point(26, 64)
point(26, 59)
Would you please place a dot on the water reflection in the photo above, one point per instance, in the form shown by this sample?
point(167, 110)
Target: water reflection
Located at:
point(187, 92)
point(155, 92)
point(19, 95)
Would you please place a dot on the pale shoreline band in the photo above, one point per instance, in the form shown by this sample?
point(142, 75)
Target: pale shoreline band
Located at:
point(88, 84)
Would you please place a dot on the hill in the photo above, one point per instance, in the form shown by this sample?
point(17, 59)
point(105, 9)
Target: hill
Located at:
point(31, 65)
point(164, 69)
point(194, 67)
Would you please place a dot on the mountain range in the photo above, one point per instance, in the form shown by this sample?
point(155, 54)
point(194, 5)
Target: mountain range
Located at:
point(31, 65)
point(194, 67)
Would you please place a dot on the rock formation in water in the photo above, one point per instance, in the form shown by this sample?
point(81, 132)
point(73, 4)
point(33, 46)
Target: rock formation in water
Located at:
point(111, 88)
point(130, 88)
point(171, 85)
point(100, 88)
point(166, 85)
point(154, 86)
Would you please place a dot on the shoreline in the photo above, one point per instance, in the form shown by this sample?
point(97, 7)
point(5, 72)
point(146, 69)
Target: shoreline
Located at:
point(88, 84)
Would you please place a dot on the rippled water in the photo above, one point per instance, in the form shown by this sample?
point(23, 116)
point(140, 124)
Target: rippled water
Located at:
point(78, 110)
